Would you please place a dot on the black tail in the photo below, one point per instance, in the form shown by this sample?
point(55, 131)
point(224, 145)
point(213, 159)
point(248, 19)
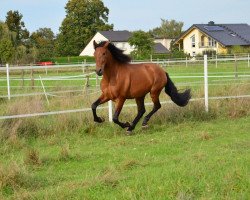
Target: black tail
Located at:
point(181, 99)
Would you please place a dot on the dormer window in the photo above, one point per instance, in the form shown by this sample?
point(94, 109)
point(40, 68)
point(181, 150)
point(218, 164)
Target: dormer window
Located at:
point(193, 41)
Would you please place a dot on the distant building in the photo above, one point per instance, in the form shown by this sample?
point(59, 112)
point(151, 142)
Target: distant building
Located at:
point(120, 40)
point(211, 36)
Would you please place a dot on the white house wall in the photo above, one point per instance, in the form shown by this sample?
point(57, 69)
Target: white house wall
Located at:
point(124, 46)
point(89, 49)
point(187, 44)
point(165, 42)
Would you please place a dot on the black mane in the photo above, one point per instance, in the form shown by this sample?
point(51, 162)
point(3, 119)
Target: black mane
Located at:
point(116, 52)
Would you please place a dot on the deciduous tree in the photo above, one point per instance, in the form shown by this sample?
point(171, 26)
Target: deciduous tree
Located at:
point(143, 43)
point(44, 41)
point(15, 24)
point(168, 29)
point(83, 19)
point(6, 50)
point(6, 44)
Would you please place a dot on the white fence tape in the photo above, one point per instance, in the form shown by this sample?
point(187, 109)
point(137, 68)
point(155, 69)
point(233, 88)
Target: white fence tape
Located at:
point(106, 107)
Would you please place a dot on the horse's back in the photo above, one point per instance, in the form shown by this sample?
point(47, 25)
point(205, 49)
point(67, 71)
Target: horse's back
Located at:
point(146, 77)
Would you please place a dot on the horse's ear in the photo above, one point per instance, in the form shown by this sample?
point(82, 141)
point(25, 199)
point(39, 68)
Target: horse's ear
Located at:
point(106, 44)
point(95, 44)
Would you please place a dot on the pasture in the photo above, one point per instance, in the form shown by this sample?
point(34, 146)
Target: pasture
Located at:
point(186, 153)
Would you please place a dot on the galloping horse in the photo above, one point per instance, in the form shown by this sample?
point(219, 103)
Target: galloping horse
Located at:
point(122, 80)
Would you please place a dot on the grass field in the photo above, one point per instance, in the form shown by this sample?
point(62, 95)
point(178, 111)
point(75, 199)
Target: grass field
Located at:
point(185, 153)
point(191, 159)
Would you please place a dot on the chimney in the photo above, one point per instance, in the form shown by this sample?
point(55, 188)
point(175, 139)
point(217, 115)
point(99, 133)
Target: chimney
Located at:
point(211, 23)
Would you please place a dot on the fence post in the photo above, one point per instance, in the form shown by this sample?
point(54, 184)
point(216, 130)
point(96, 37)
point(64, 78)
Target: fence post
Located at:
point(87, 81)
point(44, 91)
point(22, 78)
point(32, 79)
point(236, 66)
point(205, 83)
point(216, 61)
point(83, 68)
point(110, 111)
point(8, 80)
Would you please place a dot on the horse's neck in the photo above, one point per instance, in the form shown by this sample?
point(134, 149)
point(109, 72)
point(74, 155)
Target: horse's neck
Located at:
point(111, 70)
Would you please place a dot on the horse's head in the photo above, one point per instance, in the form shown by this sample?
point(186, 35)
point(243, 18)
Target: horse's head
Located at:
point(101, 57)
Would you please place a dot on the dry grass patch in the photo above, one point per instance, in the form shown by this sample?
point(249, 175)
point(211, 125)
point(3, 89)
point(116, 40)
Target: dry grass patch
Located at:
point(13, 178)
point(205, 136)
point(33, 157)
point(65, 152)
point(129, 164)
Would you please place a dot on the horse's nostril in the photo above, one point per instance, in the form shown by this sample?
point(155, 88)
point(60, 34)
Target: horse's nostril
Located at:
point(99, 72)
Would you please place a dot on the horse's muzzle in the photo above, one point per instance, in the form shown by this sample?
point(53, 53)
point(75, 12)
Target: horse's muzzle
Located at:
point(99, 72)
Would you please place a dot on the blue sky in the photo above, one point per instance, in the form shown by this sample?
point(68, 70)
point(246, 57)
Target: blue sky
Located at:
point(134, 14)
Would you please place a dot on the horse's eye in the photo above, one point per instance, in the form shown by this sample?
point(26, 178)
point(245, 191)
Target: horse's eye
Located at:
point(104, 54)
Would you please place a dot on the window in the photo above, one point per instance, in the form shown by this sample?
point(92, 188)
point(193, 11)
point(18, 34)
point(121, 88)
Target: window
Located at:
point(202, 41)
point(193, 41)
point(211, 42)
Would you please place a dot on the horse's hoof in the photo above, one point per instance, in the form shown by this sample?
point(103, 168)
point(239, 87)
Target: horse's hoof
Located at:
point(128, 132)
point(127, 125)
point(144, 126)
point(99, 119)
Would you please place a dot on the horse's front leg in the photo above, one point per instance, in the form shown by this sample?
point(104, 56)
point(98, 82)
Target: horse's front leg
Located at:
point(119, 105)
point(102, 99)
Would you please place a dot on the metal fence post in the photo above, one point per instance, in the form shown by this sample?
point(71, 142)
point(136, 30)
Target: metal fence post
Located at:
point(205, 83)
point(110, 111)
point(8, 80)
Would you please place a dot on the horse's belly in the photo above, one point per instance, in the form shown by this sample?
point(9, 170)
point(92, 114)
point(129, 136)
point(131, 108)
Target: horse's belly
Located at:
point(140, 88)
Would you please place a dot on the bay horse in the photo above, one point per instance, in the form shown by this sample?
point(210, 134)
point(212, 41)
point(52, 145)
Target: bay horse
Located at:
point(123, 80)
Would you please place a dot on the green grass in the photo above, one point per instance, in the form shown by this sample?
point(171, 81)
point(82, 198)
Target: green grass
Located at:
point(188, 160)
point(185, 153)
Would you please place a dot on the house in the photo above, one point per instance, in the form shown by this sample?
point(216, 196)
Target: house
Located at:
point(217, 37)
point(120, 40)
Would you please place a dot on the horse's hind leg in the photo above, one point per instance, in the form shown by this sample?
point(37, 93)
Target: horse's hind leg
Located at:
point(157, 106)
point(119, 105)
point(141, 111)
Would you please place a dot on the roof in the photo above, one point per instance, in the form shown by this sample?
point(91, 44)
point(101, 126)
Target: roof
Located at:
point(116, 36)
point(159, 48)
point(226, 34)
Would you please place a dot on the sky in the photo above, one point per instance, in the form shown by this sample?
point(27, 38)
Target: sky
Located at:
point(133, 14)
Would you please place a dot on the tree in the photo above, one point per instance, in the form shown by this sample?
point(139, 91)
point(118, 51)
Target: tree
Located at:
point(6, 50)
point(6, 44)
point(143, 43)
point(14, 23)
point(83, 19)
point(44, 41)
point(168, 29)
